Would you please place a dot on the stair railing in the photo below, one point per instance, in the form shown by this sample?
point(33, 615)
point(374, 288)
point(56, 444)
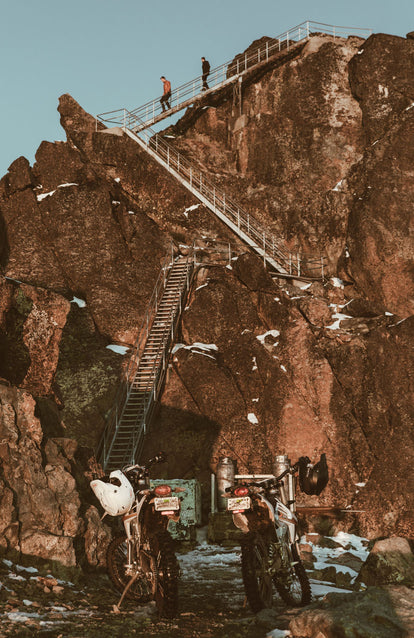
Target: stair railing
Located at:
point(228, 72)
point(125, 387)
point(271, 249)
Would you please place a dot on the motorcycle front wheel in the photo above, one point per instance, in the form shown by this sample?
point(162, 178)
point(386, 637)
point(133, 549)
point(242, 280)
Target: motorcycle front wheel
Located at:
point(116, 559)
point(293, 585)
point(257, 578)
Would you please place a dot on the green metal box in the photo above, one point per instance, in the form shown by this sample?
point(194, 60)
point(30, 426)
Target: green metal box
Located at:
point(190, 507)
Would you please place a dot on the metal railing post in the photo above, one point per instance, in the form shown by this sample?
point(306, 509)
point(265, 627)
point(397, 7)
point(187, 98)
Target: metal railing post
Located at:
point(307, 28)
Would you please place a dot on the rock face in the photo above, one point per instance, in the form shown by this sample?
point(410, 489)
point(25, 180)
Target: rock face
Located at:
point(41, 506)
point(320, 150)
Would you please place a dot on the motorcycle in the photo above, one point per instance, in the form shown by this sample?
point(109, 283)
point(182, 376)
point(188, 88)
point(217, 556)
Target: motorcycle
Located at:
point(141, 561)
point(263, 508)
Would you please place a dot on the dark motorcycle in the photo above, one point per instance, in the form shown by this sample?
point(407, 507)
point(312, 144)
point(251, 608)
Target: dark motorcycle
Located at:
point(263, 508)
point(141, 562)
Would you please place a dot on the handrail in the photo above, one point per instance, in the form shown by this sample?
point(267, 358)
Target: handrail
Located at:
point(157, 371)
point(242, 223)
point(228, 72)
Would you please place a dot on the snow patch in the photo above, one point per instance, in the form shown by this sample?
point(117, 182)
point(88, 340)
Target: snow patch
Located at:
point(131, 212)
point(117, 179)
point(389, 314)
point(118, 349)
point(337, 187)
point(336, 282)
point(383, 90)
point(40, 197)
point(409, 107)
point(115, 202)
point(44, 195)
point(80, 302)
point(339, 317)
point(198, 348)
point(190, 208)
point(283, 368)
point(262, 338)
point(252, 418)
point(254, 364)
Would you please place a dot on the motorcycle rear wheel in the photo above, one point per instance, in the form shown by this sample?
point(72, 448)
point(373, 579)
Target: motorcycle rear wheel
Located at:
point(298, 592)
point(257, 579)
point(116, 558)
point(166, 596)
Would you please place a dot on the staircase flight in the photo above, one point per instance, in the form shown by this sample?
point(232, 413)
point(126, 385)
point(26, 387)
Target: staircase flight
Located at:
point(228, 73)
point(123, 437)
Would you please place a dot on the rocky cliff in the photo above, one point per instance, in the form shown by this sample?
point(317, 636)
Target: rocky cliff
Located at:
point(320, 150)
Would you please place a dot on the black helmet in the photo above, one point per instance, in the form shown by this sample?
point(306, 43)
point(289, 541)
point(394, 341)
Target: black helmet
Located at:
point(313, 478)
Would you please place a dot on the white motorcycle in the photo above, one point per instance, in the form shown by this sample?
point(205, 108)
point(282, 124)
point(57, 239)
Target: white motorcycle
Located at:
point(141, 562)
point(263, 508)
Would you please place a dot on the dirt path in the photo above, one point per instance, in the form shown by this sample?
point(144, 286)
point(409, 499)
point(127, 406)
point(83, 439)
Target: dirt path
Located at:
point(211, 604)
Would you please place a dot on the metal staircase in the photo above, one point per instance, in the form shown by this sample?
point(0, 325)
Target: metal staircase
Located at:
point(242, 223)
point(136, 124)
point(228, 73)
point(123, 437)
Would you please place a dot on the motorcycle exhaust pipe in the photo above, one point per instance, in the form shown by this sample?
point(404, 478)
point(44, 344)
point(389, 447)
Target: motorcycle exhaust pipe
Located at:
point(281, 464)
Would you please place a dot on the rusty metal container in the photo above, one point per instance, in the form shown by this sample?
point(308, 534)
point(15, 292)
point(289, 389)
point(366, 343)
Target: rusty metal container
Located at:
point(226, 470)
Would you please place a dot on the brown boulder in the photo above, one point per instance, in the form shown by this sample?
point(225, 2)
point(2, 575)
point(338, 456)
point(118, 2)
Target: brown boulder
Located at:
point(390, 561)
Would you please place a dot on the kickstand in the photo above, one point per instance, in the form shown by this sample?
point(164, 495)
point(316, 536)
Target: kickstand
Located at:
point(132, 579)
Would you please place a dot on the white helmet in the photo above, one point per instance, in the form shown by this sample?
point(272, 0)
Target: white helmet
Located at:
point(115, 499)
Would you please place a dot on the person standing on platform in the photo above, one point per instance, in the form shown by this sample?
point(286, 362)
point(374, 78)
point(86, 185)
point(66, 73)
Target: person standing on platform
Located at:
point(205, 64)
point(167, 93)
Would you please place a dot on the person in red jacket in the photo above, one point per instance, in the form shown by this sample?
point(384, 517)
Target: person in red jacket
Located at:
point(167, 93)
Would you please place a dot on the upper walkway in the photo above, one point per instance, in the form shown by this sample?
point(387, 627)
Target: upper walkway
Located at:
point(228, 73)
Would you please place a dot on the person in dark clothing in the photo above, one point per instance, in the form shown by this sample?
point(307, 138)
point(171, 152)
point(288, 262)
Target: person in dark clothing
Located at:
point(206, 70)
point(167, 93)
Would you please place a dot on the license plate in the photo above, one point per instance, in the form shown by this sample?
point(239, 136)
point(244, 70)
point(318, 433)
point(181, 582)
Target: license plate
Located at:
point(167, 503)
point(242, 503)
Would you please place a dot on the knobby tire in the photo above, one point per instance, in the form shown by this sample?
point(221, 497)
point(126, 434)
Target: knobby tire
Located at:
point(257, 585)
point(299, 592)
point(116, 557)
point(166, 597)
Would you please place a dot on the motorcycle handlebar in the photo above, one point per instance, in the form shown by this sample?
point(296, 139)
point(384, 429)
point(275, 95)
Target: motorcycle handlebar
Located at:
point(159, 458)
point(273, 481)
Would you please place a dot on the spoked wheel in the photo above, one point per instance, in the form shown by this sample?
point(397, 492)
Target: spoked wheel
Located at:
point(144, 587)
point(293, 585)
point(257, 576)
point(166, 596)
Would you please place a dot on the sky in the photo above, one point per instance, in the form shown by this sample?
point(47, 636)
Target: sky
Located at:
point(110, 54)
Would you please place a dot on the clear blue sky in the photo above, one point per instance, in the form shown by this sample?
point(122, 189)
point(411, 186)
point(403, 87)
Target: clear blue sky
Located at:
point(110, 54)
